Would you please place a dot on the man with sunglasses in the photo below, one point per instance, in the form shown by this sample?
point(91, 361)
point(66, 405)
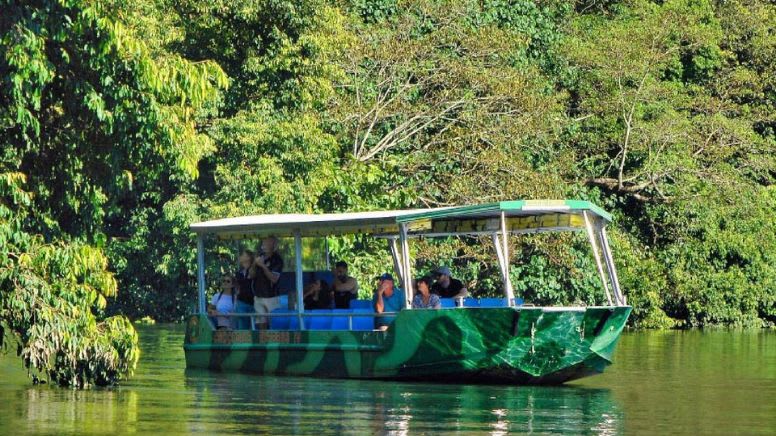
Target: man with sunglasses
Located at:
point(447, 287)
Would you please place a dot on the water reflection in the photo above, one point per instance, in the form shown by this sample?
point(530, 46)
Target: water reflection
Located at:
point(164, 398)
point(43, 409)
point(673, 382)
point(355, 407)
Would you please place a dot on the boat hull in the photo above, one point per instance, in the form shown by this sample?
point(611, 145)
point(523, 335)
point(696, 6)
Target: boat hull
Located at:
point(484, 345)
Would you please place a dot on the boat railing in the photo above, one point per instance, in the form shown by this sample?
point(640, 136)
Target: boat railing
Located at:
point(447, 303)
point(302, 315)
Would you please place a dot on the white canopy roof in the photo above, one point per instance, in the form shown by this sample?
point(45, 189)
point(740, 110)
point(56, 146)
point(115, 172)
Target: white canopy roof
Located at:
point(522, 216)
point(374, 222)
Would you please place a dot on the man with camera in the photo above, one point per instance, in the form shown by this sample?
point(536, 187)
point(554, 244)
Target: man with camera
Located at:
point(266, 273)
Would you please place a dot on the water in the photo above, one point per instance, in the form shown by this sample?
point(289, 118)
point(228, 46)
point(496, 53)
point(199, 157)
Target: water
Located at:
point(661, 382)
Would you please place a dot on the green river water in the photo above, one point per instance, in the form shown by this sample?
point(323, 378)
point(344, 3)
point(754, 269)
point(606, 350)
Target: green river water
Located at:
point(716, 382)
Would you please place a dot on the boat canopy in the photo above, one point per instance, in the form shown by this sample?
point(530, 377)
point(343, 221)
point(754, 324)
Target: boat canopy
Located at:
point(521, 216)
point(307, 225)
point(497, 220)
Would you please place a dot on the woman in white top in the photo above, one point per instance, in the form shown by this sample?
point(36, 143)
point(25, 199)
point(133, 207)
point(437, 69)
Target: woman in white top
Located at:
point(223, 302)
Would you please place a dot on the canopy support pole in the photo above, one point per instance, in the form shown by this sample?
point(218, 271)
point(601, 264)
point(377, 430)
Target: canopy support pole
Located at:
point(328, 256)
point(500, 258)
point(299, 277)
point(398, 262)
point(238, 249)
point(201, 272)
point(618, 296)
point(407, 272)
point(508, 290)
point(599, 266)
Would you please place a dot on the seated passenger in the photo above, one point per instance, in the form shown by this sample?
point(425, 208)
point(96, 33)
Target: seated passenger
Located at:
point(387, 299)
point(244, 285)
point(424, 299)
point(317, 295)
point(345, 287)
point(446, 286)
point(223, 303)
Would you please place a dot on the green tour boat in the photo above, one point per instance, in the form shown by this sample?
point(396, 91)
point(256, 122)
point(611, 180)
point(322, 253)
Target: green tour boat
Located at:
point(486, 340)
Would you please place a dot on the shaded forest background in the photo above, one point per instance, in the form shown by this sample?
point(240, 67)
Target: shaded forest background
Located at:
point(121, 122)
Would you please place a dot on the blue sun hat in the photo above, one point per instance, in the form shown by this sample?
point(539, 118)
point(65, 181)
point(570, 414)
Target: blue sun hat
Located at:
point(443, 271)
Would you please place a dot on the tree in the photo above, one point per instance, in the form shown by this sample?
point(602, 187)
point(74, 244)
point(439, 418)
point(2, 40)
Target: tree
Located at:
point(664, 133)
point(662, 112)
point(93, 128)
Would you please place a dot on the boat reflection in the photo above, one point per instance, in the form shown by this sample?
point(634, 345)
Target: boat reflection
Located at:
point(302, 405)
point(163, 400)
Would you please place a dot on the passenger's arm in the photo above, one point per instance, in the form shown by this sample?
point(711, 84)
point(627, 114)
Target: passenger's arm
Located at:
point(350, 285)
point(272, 276)
point(463, 293)
point(379, 305)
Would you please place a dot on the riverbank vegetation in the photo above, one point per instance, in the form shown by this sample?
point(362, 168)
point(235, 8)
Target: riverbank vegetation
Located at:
point(121, 122)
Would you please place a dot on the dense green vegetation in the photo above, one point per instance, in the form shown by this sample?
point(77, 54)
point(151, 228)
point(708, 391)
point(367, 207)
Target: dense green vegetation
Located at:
point(92, 129)
point(123, 121)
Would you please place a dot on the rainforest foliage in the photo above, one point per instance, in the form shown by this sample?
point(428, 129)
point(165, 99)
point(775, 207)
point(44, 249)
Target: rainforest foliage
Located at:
point(121, 122)
point(93, 128)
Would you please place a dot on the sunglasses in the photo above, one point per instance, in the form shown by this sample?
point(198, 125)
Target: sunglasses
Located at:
point(226, 282)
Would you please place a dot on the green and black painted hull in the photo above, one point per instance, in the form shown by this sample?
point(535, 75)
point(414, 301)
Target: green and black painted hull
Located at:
point(524, 345)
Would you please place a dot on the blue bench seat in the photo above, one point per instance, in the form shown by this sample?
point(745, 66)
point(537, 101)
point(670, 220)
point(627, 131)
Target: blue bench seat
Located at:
point(361, 304)
point(493, 302)
point(467, 302)
point(290, 322)
point(481, 302)
point(290, 319)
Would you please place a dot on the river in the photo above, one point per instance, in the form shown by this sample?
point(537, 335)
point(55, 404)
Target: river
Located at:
point(682, 382)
